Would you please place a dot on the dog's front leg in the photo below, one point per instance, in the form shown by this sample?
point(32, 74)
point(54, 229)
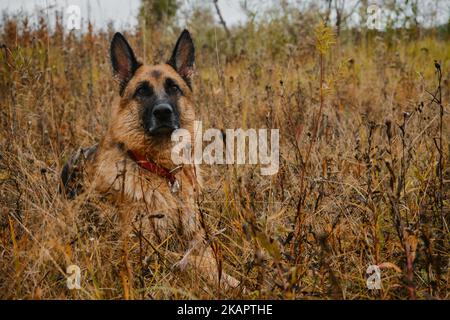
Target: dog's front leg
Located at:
point(201, 259)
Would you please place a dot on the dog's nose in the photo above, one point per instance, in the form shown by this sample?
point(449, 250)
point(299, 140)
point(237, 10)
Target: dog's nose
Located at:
point(163, 111)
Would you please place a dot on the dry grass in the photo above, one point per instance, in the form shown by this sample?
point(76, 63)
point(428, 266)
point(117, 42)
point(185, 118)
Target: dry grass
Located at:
point(364, 176)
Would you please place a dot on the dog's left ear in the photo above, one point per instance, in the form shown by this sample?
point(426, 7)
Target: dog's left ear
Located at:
point(183, 56)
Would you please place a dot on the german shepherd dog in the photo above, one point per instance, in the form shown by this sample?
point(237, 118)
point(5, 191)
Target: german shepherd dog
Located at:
point(132, 162)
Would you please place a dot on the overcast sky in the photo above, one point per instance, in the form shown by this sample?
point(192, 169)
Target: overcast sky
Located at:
point(123, 13)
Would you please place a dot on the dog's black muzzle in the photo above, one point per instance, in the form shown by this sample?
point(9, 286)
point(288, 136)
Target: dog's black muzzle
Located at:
point(161, 119)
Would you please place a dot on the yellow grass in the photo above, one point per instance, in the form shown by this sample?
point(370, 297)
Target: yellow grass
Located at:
point(352, 189)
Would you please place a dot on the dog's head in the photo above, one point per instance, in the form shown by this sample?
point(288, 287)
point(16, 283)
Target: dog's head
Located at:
point(155, 100)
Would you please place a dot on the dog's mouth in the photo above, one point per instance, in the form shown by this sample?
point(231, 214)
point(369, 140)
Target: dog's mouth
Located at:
point(163, 130)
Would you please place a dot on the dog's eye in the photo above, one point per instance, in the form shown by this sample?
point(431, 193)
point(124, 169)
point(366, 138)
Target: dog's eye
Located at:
point(144, 91)
point(175, 89)
point(172, 88)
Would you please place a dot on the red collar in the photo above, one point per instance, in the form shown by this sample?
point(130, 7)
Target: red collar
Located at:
point(151, 166)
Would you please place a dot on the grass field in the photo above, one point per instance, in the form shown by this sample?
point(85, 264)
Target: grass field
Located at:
point(364, 173)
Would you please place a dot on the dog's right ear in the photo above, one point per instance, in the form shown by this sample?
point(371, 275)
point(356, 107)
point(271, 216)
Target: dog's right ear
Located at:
point(123, 61)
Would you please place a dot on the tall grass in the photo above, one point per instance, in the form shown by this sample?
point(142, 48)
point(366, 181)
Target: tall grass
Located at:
point(364, 175)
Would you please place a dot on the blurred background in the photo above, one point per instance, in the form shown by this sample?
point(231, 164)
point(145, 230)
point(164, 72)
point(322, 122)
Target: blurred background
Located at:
point(233, 25)
point(125, 14)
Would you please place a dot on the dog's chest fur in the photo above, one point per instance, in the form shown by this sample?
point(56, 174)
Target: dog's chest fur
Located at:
point(165, 210)
point(169, 207)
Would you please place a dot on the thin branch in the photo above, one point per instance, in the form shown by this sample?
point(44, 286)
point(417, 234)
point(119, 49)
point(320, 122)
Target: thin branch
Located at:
point(222, 21)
